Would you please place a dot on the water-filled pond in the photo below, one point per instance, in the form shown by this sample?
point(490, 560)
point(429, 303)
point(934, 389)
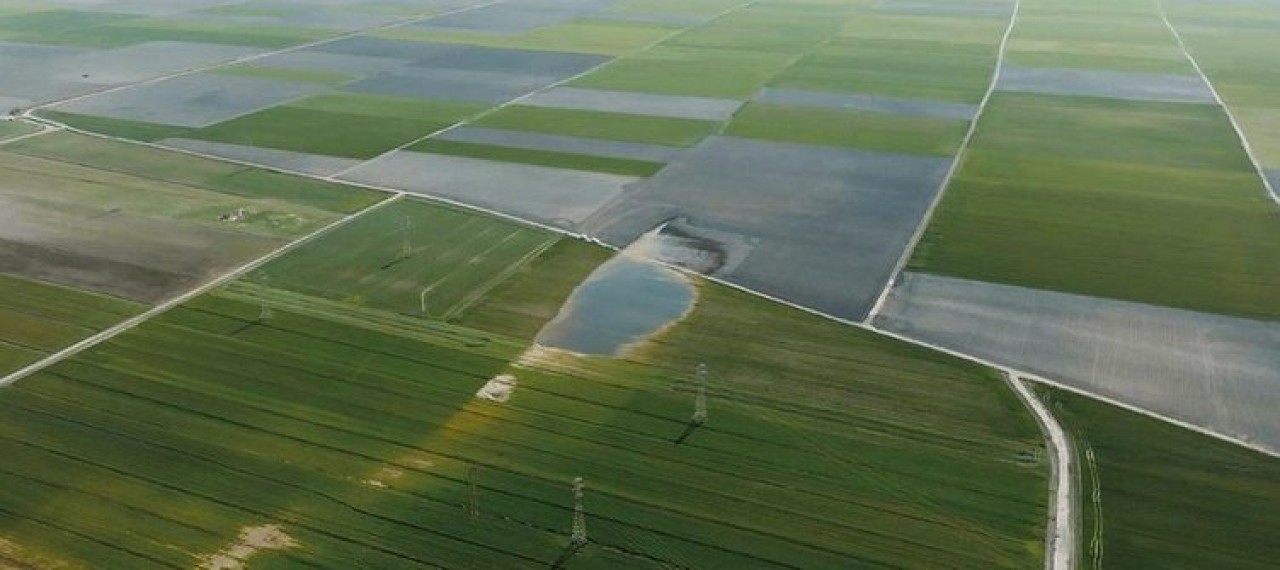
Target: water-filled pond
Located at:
point(624, 301)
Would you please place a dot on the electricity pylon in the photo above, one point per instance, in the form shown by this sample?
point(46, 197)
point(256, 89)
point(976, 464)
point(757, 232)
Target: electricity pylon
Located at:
point(700, 397)
point(473, 508)
point(579, 535)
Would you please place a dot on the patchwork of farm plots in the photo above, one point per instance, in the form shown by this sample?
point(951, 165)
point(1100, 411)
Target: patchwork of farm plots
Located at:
point(350, 426)
point(552, 111)
point(1155, 494)
point(325, 409)
point(1131, 196)
point(1105, 175)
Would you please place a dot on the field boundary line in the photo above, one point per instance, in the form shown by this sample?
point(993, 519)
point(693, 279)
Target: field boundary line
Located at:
point(27, 113)
point(516, 101)
point(1063, 532)
point(134, 321)
point(951, 171)
point(1244, 140)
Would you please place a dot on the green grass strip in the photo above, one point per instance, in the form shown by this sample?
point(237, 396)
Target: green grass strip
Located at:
point(624, 166)
point(123, 128)
point(860, 129)
point(601, 125)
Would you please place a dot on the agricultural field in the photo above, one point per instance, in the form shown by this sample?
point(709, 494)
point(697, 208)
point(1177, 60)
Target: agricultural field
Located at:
point(13, 129)
point(397, 257)
point(1155, 494)
point(39, 318)
point(387, 458)
point(554, 111)
point(1055, 175)
point(1108, 229)
point(145, 224)
point(286, 284)
point(1231, 44)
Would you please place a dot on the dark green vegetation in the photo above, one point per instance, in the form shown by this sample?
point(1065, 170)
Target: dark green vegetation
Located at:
point(387, 258)
point(601, 125)
point(122, 128)
point(355, 428)
point(186, 170)
point(1147, 202)
point(340, 124)
point(689, 71)
point(532, 295)
point(40, 318)
point(866, 130)
point(897, 68)
point(1168, 497)
point(574, 161)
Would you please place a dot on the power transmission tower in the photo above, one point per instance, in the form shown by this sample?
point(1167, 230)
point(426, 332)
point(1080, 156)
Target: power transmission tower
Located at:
point(700, 398)
point(406, 246)
point(264, 312)
point(474, 507)
point(700, 407)
point(579, 535)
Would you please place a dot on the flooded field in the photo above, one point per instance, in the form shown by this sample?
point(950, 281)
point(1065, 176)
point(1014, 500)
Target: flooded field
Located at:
point(1213, 371)
point(624, 301)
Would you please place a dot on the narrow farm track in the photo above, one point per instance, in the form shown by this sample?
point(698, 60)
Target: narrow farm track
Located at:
point(133, 322)
point(1235, 124)
point(1062, 542)
point(952, 170)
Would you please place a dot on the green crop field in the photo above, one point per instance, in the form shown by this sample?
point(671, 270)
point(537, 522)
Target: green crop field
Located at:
point(1159, 496)
point(39, 318)
point(123, 128)
point(839, 127)
point(578, 36)
point(185, 170)
point(1148, 202)
point(601, 125)
point(387, 258)
point(340, 124)
point(355, 431)
point(330, 402)
point(1125, 36)
point(531, 297)
point(761, 28)
point(11, 129)
point(689, 71)
point(624, 166)
point(896, 68)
